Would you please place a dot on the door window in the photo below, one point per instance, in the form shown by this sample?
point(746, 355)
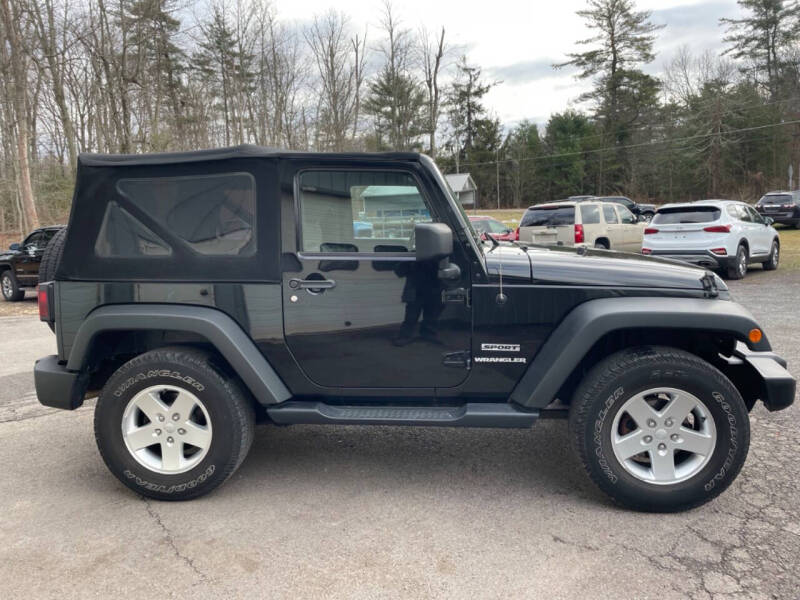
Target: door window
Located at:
point(34, 241)
point(359, 211)
point(590, 214)
point(754, 216)
point(625, 215)
point(609, 214)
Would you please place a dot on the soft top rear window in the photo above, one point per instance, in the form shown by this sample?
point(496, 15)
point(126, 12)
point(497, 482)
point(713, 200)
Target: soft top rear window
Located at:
point(687, 214)
point(548, 216)
point(776, 199)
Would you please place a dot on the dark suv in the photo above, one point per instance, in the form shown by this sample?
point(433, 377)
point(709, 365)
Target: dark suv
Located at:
point(19, 265)
point(781, 207)
point(198, 291)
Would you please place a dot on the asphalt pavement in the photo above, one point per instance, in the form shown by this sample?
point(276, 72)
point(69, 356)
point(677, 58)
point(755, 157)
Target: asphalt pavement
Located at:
point(388, 512)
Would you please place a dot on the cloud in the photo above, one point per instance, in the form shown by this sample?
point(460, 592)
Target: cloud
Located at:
point(527, 71)
point(697, 24)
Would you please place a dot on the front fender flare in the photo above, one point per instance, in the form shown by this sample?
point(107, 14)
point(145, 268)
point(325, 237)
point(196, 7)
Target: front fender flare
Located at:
point(225, 334)
point(588, 322)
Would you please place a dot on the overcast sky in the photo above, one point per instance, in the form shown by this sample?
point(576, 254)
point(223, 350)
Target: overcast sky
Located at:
point(517, 41)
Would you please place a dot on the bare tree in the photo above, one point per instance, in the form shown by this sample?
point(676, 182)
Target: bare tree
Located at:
point(17, 75)
point(432, 53)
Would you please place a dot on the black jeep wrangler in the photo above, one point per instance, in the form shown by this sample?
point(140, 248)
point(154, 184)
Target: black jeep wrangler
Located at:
point(19, 265)
point(198, 291)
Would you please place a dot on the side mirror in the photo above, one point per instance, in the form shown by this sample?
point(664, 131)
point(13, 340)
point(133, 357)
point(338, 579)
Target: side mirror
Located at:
point(434, 241)
point(769, 220)
point(14, 246)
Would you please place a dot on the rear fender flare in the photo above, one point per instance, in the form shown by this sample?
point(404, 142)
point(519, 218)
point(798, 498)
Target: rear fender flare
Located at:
point(221, 331)
point(588, 322)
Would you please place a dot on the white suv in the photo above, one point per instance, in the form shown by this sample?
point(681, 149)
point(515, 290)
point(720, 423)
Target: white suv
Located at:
point(587, 223)
point(718, 234)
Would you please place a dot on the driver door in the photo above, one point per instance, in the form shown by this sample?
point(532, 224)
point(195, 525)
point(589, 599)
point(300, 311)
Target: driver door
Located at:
point(359, 310)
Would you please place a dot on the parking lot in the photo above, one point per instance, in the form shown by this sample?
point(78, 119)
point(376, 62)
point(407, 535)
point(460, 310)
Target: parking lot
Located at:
point(388, 512)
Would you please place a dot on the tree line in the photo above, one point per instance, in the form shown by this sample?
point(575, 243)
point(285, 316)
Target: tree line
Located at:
point(151, 75)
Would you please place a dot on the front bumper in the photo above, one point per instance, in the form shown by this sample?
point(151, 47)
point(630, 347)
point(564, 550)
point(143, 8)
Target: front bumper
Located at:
point(777, 386)
point(56, 386)
point(702, 258)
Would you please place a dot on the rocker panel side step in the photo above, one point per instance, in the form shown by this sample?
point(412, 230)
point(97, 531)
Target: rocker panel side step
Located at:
point(473, 414)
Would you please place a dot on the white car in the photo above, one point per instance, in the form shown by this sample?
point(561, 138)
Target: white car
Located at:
point(718, 234)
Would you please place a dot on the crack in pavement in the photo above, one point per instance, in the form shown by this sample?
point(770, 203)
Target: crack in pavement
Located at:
point(168, 537)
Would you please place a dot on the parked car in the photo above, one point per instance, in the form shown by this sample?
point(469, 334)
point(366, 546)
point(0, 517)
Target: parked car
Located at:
point(589, 223)
point(724, 235)
point(19, 265)
point(197, 290)
point(781, 207)
point(644, 212)
point(499, 231)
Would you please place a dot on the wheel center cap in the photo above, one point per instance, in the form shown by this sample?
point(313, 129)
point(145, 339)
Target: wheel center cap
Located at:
point(169, 427)
point(661, 434)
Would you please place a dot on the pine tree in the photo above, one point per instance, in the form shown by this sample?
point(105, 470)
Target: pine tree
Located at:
point(622, 44)
point(763, 38)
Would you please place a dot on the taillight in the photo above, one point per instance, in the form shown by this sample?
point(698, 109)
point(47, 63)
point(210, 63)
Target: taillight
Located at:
point(646, 251)
point(43, 300)
point(719, 251)
point(578, 234)
point(650, 230)
point(516, 234)
point(718, 229)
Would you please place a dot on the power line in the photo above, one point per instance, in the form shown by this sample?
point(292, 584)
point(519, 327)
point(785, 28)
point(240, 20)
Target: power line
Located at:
point(628, 146)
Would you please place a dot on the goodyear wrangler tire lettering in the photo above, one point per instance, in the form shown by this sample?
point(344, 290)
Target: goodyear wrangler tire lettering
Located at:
point(665, 380)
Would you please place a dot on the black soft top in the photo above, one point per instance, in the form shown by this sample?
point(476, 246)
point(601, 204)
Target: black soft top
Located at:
point(232, 152)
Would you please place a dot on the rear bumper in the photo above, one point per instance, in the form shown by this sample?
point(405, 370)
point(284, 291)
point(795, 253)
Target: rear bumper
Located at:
point(56, 386)
point(777, 384)
point(702, 258)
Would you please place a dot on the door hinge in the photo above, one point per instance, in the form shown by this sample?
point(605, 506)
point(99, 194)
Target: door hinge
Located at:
point(462, 359)
point(457, 295)
point(709, 282)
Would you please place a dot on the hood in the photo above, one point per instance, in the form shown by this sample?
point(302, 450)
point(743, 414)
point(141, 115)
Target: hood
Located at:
point(557, 265)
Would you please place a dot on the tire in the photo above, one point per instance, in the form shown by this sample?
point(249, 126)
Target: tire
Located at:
point(774, 257)
point(601, 245)
point(599, 419)
point(11, 290)
point(216, 414)
point(52, 256)
point(739, 268)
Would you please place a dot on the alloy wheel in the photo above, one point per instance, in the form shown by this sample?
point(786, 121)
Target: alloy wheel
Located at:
point(167, 429)
point(8, 286)
point(663, 436)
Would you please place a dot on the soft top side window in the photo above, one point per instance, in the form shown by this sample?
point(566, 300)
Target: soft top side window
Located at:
point(359, 211)
point(214, 214)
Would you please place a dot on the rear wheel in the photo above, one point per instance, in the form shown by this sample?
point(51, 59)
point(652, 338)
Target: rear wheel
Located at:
point(602, 244)
point(774, 256)
point(739, 267)
point(11, 290)
point(659, 429)
point(171, 426)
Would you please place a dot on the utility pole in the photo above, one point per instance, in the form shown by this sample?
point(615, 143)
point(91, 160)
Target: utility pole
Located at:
point(497, 170)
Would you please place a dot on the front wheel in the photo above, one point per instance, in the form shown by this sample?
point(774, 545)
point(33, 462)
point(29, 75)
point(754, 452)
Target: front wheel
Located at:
point(11, 290)
point(659, 429)
point(774, 256)
point(171, 426)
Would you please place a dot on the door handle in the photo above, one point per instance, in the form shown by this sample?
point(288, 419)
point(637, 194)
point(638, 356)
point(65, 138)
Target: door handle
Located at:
point(312, 284)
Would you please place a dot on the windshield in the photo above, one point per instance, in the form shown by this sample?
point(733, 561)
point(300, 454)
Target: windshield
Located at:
point(686, 214)
point(449, 191)
point(550, 216)
point(776, 199)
